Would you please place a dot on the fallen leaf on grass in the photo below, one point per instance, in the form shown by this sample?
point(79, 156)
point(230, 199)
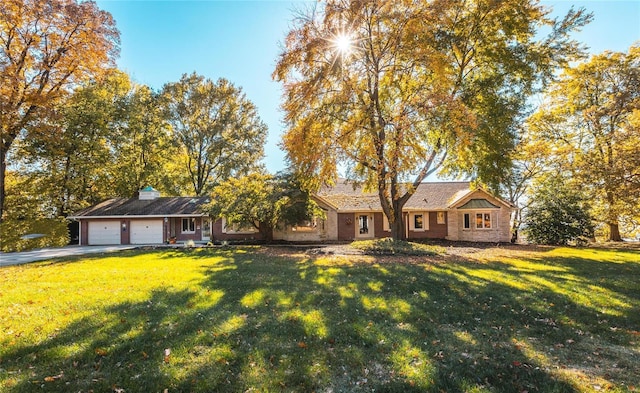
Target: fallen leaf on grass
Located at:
point(302, 344)
point(101, 352)
point(54, 377)
point(167, 353)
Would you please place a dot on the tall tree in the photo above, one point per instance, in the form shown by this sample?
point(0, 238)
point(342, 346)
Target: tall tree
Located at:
point(529, 159)
point(143, 148)
point(396, 90)
point(107, 139)
point(218, 127)
point(590, 117)
point(71, 150)
point(47, 46)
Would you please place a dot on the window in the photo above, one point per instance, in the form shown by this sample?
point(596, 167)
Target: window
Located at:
point(308, 226)
point(237, 228)
point(188, 225)
point(483, 220)
point(419, 221)
point(440, 217)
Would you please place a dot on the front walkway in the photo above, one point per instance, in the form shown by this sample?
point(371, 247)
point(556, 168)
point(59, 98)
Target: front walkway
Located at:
point(18, 258)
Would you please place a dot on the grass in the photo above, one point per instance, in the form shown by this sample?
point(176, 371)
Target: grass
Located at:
point(254, 319)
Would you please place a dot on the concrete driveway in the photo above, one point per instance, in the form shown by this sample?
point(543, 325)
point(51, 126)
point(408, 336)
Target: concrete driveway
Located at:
point(17, 258)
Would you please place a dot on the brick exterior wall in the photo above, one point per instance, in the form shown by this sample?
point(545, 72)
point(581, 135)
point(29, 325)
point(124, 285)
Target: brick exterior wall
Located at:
point(435, 231)
point(378, 220)
point(346, 226)
point(499, 233)
point(218, 234)
point(125, 235)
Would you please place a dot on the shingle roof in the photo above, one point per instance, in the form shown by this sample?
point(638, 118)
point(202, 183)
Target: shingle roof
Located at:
point(428, 196)
point(165, 206)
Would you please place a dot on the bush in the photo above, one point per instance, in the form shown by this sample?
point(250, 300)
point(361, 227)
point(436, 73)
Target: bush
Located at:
point(22, 235)
point(390, 247)
point(559, 215)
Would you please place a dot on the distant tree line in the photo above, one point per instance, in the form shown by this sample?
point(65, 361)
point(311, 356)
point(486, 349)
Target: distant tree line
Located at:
point(110, 137)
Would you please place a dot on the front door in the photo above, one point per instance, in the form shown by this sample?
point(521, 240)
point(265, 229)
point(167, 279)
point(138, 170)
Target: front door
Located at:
point(365, 226)
point(206, 229)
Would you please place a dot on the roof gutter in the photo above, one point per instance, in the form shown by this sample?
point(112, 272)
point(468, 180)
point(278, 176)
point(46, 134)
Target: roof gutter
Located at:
point(139, 216)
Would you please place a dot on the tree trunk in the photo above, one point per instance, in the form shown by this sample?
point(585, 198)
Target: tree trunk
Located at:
point(517, 215)
point(398, 226)
point(3, 170)
point(267, 232)
point(614, 232)
point(614, 229)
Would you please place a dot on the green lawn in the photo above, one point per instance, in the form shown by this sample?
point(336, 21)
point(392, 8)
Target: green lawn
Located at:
point(253, 319)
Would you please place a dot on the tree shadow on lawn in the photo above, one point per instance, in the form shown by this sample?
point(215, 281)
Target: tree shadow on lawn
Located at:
point(278, 324)
point(590, 289)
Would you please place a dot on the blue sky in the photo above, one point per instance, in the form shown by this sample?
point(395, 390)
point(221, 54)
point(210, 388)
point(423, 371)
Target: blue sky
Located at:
point(240, 41)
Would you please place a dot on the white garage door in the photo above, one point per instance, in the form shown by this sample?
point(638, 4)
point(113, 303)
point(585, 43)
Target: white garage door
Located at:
point(104, 232)
point(146, 232)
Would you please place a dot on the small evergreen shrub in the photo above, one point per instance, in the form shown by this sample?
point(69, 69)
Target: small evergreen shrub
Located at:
point(559, 215)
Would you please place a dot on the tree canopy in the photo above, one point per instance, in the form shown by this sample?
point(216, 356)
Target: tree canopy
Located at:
point(107, 139)
point(218, 127)
point(589, 120)
point(262, 201)
point(47, 47)
point(397, 90)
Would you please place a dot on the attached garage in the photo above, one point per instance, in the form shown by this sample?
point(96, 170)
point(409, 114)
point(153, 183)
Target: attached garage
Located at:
point(104, 232)
point(146, 219)
point(146, 232)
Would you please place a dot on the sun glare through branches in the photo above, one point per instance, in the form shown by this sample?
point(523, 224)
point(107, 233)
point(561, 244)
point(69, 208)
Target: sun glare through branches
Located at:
point(342, 44)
